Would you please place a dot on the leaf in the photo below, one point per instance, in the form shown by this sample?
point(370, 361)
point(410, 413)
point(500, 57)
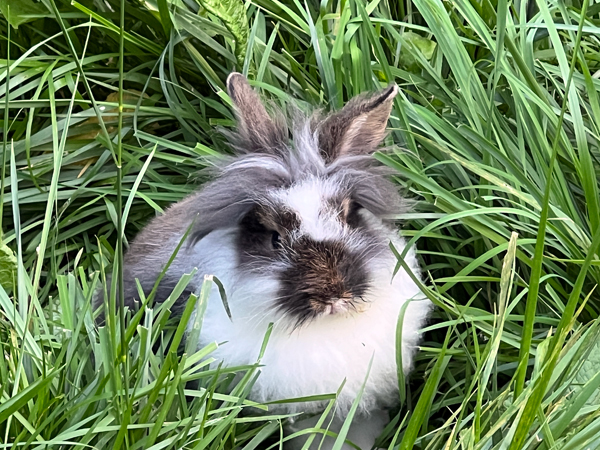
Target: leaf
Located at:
point(21, 11)
point(589, 369)
point(233, 15)
point(16, 402)
point(426, 399)
point(223, 295)
point(8, 267)
point(416, 41)
point(426, 46)
point(165, 17)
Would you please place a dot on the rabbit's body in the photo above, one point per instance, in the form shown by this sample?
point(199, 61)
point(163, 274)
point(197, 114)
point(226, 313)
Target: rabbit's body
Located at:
point(314, 358)
point(296, 234)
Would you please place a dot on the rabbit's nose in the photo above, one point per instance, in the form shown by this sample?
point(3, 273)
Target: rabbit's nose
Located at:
point(344, 303)
point(336, 306)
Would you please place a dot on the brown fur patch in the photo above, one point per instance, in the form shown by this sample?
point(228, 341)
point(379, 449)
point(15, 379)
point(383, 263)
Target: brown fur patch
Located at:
point(320, 273)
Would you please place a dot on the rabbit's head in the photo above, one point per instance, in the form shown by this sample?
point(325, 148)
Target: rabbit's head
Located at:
point(309, 202)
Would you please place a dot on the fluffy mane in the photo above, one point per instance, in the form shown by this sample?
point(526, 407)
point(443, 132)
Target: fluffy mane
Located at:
point(288, 152)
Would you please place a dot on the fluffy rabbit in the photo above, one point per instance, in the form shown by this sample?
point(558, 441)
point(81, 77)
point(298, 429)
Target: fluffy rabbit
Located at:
point(294, 226)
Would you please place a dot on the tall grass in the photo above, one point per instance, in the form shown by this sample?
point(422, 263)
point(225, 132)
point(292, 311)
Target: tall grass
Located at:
point(110, 106)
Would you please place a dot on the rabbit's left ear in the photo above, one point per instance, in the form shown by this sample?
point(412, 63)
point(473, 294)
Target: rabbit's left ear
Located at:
point(258, 131)
point(359, 127)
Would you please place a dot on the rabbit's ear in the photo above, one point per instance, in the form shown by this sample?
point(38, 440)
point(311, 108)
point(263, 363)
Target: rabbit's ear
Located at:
point(359, 127)
point(257, 130)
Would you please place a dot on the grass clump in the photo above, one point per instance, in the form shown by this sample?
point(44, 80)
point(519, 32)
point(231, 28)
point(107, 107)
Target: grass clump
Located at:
point(108, 109)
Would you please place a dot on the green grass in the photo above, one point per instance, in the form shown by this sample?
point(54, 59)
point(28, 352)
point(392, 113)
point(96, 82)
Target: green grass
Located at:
point(497, 134)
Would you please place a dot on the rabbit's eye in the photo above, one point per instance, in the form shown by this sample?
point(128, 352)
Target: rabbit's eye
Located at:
point(275, 239)
point(355, 206)
point(353, 218)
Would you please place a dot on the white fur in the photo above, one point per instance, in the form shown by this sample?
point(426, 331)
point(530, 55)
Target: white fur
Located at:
point(305, 156)
point(307, 198)
point(318, 357)
point(261, 161)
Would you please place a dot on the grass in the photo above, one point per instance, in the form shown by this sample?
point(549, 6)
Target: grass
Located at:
point(108, 110)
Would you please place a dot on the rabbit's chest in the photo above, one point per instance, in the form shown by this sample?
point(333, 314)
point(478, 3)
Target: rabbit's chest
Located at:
point(317, 359)
point(354, 349)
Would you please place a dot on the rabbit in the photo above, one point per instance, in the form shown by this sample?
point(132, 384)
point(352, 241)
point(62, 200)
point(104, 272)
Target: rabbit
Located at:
point(294, 226)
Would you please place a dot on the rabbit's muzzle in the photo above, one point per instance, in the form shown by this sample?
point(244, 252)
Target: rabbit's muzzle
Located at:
point(322, 278)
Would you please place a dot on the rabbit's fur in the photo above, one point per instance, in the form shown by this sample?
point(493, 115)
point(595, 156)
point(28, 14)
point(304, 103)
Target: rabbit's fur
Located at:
point(295, 229)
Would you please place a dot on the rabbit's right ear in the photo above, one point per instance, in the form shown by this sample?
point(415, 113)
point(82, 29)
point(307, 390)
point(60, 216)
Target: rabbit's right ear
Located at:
point(359, 127)
point(257, 130)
